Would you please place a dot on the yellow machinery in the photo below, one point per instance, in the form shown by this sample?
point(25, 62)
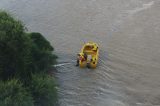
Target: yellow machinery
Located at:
point(90, 54)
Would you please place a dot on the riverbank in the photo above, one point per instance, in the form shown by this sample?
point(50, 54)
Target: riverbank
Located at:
point(25, 60)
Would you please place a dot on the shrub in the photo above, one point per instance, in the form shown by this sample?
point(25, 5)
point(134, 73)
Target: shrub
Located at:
point(13, 94)
point(40, 41)
point(21, 53)
point(15, 49)
point(41, 53)
point(43, 89)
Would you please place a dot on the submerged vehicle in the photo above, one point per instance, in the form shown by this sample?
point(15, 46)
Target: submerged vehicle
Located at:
point(89, 55)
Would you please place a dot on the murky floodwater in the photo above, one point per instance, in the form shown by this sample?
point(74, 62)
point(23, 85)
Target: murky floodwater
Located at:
point(128, 32)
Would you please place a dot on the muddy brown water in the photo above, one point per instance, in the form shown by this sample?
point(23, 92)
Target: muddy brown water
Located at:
point(128, 32)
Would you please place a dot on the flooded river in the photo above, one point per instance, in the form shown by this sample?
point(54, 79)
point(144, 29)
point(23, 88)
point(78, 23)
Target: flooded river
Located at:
point(128, 32)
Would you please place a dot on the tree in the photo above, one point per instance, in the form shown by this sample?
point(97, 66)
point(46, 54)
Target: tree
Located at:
point(43, 89)
point(41, 52)
point(23, 56)
point(21, 53)
point(13, 94)
point(15, 49)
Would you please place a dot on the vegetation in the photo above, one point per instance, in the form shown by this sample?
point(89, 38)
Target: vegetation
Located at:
point(23, 58)
point(43, 89)
point(13, 94)
point(41, 53)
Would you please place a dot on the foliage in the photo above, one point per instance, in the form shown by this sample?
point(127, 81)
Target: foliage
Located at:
point(41, 42)
point(15, 49)
point(44, 90)
point(13, 94)
point(23, 56)
point(41, 52)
